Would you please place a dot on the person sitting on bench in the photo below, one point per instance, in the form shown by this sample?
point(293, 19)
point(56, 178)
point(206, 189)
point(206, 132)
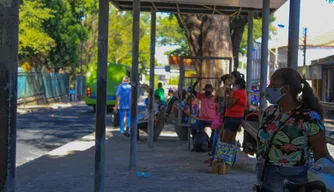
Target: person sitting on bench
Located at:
point(207, 108)
point(157, 104)
point(191, 109)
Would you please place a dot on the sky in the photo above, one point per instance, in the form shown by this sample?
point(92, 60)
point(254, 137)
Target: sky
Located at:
point(159, 53)
point(316, 15)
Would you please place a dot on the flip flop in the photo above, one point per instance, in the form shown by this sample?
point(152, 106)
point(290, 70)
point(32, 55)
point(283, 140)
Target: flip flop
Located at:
point(209, 161)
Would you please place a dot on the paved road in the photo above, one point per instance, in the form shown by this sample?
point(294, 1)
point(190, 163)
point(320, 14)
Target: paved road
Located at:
point(41, 132)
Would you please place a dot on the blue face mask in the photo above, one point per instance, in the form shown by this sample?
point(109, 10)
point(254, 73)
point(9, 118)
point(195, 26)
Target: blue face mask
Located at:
point(273, 95)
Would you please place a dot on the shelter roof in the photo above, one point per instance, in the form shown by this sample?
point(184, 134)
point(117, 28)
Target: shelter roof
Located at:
point(324, 61)
point(226, 7)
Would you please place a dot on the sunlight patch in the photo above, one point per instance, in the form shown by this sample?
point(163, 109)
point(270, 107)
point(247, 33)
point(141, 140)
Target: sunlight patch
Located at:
point(81, 144)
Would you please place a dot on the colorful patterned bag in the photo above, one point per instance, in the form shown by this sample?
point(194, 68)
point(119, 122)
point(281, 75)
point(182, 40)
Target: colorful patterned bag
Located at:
point(224, 158)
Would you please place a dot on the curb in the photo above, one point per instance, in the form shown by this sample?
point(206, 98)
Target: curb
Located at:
point(52, 107)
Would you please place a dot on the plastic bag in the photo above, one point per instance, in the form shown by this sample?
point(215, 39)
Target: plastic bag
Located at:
point(322, 170)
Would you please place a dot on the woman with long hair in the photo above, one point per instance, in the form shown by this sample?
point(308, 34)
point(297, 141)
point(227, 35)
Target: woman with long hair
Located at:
point(225, 82)
point(236, 102)
point(289, 130)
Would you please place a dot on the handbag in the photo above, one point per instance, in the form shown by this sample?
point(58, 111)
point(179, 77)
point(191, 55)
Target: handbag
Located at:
point(115, 118)
point(217, 121)
point(259, 187)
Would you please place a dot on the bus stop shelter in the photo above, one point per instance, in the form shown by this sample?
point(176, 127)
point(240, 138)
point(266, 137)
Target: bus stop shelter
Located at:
point(9, 11)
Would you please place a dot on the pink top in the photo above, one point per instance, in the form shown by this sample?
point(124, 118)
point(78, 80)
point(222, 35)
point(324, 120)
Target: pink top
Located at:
point(208, 107)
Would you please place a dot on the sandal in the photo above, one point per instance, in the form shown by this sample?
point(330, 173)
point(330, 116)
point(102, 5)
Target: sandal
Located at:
point(209, 161)
point(126, 134)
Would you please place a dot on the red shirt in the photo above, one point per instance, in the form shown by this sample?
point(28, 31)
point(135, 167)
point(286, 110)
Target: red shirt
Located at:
point(208, 107)
point(238, 109)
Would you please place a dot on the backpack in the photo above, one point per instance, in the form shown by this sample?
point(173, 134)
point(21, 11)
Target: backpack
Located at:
point(201, 140)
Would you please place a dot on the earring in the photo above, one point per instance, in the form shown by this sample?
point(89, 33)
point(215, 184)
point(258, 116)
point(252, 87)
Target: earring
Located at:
point(300, 97)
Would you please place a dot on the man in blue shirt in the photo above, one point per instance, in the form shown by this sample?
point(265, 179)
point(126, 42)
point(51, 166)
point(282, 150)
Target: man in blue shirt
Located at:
point(123, 103)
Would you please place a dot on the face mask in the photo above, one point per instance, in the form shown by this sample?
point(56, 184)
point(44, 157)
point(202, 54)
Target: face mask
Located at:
point(273, 95)
point(208, 93)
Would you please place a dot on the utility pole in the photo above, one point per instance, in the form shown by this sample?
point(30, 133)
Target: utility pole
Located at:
point(9, 29)
point(305, 45)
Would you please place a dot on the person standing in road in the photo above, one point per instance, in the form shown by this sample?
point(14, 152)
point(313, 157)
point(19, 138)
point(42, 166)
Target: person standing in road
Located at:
point(161, 92)
point(123, 103)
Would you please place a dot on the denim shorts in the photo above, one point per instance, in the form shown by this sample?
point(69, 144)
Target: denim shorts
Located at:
point(274, 176)
point(232, 124)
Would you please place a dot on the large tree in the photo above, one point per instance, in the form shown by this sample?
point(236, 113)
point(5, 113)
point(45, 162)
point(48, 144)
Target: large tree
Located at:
point(236, 40)
point(67, 30)
point(120, 38)
point(237, 28)
point(34, 43)
point(208, 35)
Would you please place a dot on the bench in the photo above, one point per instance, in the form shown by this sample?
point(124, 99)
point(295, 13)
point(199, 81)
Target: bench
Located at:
point(158, 127)
point(181, 130)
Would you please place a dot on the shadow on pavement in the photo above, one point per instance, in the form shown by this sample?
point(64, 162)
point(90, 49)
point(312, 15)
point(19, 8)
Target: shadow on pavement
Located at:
point(172, 165)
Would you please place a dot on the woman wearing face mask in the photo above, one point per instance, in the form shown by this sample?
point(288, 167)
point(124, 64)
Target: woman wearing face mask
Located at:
point(294, 125)
point(225, 80)
point(236, 103)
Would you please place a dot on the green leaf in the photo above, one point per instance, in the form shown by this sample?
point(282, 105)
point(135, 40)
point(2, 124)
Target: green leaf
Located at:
point(277, 142)
point(293, 131)
point(275, 153)
point(281, 136)
point(295, 156)
point(299, 140)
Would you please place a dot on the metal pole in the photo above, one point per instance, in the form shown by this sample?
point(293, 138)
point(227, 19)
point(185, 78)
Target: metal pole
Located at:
point(189, 120)
point(250, 54)
point(134, 91)
point(181, 83)
point(100, 132)
point(293, 34)
point(305, 45)
point(9, 19)
point(264, 52)
point(81, 73)
point(152, 62)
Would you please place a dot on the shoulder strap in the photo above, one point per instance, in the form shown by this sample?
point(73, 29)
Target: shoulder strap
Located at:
point(266, 154)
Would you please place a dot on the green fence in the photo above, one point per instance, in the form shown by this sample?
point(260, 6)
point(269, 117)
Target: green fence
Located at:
point(49, 85)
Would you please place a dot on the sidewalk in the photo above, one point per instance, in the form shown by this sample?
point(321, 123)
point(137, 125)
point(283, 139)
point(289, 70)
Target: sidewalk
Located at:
point(46, 107)
point(172, 165)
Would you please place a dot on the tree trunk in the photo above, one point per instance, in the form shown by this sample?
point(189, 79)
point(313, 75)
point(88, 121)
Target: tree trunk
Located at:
point(237, 26)
point(209, 36)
